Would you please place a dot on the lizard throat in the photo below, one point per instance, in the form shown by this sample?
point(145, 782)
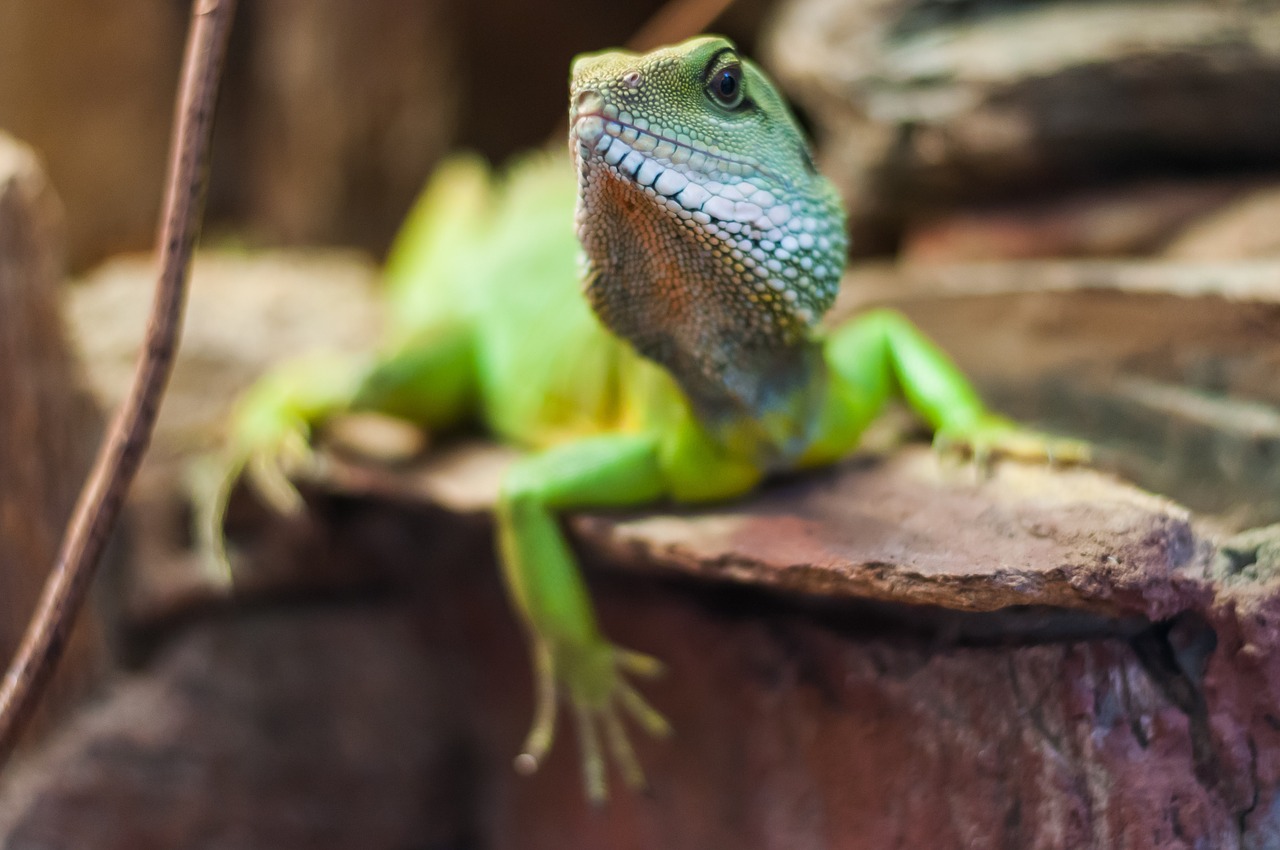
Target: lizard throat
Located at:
point(686, 291)
point(772, 243)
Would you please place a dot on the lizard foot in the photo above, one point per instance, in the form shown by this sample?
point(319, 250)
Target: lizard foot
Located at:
point(270, 470)
point(269, 443)
point(592, 679)
point(994, 437)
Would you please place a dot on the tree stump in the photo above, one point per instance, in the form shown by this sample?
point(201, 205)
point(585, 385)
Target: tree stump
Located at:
point(896, 653)
point(891, 654)
point(48, 424)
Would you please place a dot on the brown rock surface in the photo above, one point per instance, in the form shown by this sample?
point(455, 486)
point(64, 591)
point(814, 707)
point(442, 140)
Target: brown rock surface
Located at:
point(1129, 220)
point(1035, 659)
point(909, 530)
point(791, 734)
point(243, 312)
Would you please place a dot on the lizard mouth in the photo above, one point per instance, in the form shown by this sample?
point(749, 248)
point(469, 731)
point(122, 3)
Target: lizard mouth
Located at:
point(695, 181)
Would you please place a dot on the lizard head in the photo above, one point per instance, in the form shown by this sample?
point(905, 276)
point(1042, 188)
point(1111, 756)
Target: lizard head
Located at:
point(707, 229)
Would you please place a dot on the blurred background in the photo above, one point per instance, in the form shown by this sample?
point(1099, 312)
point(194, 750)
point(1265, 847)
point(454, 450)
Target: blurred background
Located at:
point(332, 113)
point(1079, 199)
point(956, 128)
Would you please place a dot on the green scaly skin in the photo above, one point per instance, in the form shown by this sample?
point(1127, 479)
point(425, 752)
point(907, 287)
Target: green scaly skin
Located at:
point(693, 367)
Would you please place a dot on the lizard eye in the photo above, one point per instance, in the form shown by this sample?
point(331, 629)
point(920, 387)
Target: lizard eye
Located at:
point(726, 86)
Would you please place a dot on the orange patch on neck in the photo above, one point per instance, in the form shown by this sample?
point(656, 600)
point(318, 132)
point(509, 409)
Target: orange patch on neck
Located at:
point(654, 228)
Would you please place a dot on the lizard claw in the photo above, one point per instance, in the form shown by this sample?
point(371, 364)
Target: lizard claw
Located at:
point(269, 471)
point(269, 443)
point(994, 437)
point(593, 683)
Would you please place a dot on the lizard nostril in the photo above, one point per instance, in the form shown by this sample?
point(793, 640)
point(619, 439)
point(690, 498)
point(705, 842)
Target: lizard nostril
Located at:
point(587, 101)
point(632, 80)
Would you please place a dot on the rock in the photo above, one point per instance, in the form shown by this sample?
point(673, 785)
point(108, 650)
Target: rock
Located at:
point(244, 311)
point(840, 734)
point(48, 424)
point(909, 530)
point(1130, 220)
point(921, 105)
point(849, 652)
point(1250, 556)
point(870, 657)
point(897, 654)
point(1245, 229)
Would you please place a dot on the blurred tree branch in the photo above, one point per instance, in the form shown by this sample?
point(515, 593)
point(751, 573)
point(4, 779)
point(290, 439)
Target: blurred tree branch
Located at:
point(676, 21)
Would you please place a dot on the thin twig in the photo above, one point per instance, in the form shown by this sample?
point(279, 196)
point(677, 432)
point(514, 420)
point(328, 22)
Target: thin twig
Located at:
point(676, 21)
point(121, 452)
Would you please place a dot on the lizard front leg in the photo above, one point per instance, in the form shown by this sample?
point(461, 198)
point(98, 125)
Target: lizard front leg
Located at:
point(431, 383)
point(881, 353)
point(572, 659)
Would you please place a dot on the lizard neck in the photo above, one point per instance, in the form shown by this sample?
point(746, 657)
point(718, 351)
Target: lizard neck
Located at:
point(740, 355)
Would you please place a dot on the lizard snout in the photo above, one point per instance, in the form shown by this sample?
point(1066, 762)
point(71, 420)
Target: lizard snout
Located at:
point(585, 116)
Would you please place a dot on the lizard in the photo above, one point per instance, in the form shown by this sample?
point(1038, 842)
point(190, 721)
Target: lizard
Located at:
point(684, 360)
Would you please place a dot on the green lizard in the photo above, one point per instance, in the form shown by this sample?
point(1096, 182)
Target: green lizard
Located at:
point(693, 368)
